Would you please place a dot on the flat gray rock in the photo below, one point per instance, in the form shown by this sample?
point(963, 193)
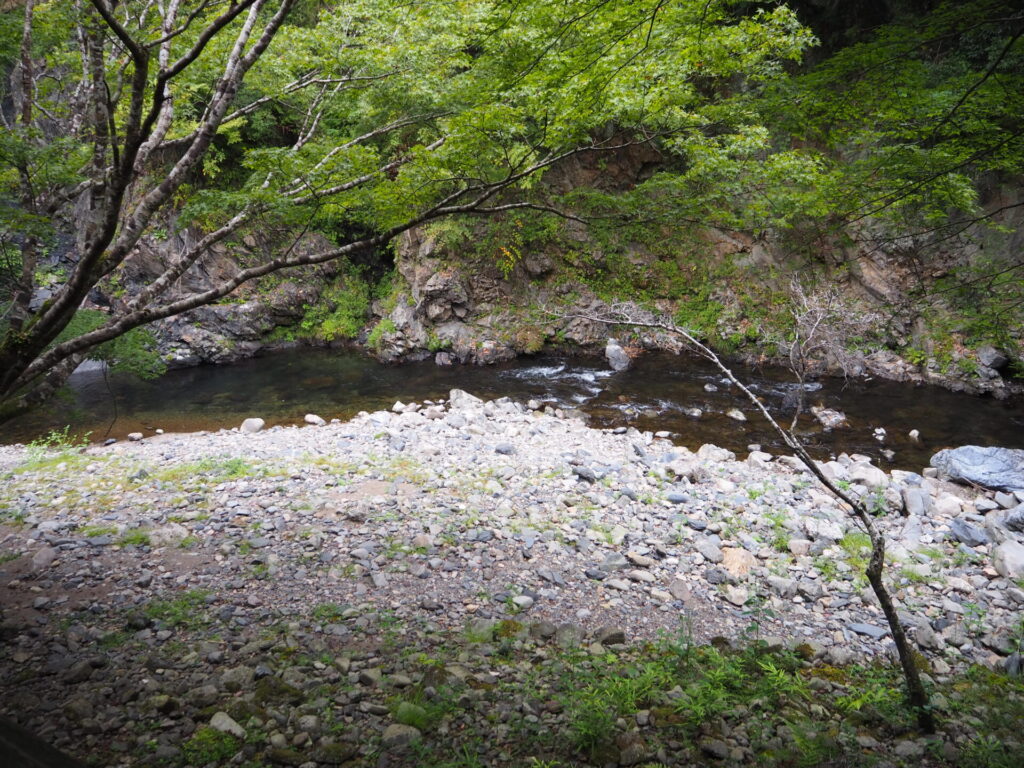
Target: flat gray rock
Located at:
point(1001, 469)
point(870, 630)
point(964, 532)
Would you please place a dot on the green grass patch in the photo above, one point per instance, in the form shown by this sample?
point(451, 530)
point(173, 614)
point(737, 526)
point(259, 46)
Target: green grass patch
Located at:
point(211, 470)
point(187, 610)
point(327, 613)
point(208, 745)
point(137, 537)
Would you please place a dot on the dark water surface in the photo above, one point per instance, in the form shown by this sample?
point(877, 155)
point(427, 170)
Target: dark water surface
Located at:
point(284, 386)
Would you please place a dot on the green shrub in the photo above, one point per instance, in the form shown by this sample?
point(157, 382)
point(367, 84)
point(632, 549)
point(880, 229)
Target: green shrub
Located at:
point(184, 610)
point(340, 312)
point(208, 745)
point(376, 338)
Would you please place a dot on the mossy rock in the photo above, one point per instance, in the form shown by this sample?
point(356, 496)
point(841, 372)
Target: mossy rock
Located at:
point(241, 710)
point(208, 745)
point(603, 754)
point(408, 713)
point(279, 756)
point(828, 672)
point(274, 690)
point(508, 628)
point(335, 754)
point(438, 676)
point(805, 651)
point(666, 716)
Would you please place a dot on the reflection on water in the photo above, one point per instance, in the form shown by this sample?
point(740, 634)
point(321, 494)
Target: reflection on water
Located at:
point(659, 393)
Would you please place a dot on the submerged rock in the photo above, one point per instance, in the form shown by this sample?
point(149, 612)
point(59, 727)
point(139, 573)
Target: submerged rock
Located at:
point(997, 468)
point(829, 418)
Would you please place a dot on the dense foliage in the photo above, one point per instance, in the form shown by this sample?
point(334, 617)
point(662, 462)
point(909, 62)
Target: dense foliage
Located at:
point(361, 119)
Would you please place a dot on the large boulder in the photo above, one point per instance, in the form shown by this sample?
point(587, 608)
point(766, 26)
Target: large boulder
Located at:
point(988, 466)
point(618, 358)
point(1008, 559)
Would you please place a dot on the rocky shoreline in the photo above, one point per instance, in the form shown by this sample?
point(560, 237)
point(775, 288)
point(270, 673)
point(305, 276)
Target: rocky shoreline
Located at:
point(292, 588)
point(225, 334)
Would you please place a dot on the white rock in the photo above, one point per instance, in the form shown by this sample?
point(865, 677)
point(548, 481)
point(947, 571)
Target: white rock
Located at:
point(738, 596)
point(868, 475)
point(828, 418)
point(737, 562)
point(736, 413)
point(172, 533)
point(43, 558)
point(1008, 559)
point(135, 436)
point(459, 398)
point(617, 357)
point(799, 547)
point(222, 721)
point(947, 504)
point(312, 418)
point(252, 426)
point(711, 452)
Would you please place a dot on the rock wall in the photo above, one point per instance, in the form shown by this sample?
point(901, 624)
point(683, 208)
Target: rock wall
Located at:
point(462, 305)
point(240, 326)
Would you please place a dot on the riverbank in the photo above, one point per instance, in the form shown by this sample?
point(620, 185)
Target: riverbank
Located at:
point(681, 394)
point(467, 570)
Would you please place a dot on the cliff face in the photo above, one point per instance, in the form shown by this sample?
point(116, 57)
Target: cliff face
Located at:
point(237, 328)
point(491, 292)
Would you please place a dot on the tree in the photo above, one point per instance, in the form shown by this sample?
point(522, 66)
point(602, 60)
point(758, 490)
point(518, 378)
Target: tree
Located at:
point(362, 122)
point(919, 132)
point(859, 508)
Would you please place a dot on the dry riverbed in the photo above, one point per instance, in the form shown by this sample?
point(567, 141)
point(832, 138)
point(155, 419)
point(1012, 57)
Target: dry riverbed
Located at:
point(482, 584)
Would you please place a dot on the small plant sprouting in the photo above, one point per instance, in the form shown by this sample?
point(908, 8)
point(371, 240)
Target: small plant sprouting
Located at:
point(59, 441)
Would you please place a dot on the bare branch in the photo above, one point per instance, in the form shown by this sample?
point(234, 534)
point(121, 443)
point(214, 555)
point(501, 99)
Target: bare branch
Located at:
point(918, 697)
point(531, 206)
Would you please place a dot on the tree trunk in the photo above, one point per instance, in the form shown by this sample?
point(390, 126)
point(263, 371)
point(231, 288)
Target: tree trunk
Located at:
point(916, 693)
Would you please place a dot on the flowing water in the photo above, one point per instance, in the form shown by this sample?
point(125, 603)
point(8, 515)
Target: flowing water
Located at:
point(659, 393)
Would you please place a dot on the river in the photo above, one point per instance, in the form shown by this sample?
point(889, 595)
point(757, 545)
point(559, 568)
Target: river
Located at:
point(655, 395)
